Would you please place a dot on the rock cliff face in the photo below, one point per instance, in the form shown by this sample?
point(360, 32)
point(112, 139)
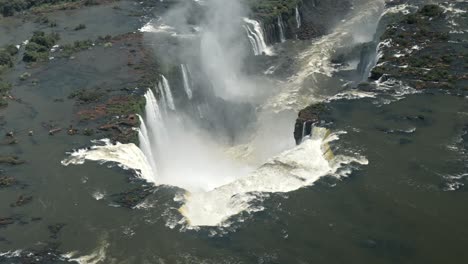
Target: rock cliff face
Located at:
point(314, 16)
point(307, 118)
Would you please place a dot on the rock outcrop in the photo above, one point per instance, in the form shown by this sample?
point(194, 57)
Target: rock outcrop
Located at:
point(306, 119)
point(425, 49)
point(315, 17)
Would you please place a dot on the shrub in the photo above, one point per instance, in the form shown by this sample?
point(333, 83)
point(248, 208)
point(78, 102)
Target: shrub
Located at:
point(39, 45)
point(5, 59)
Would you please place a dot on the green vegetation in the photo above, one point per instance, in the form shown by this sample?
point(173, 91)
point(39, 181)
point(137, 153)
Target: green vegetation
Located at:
point(86, 96)
point(5, 88)
point(10, 7)
point(88, 132)
point(68, 49)
point(7, 56)
point(127, 105)
point(46, 21)
point(39, 46)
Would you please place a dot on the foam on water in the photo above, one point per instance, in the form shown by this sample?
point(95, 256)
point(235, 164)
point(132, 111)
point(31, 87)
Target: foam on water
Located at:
point(289, 171)
point(217, 202)
point(126, 156)
point(97, 256)
point(301, 89)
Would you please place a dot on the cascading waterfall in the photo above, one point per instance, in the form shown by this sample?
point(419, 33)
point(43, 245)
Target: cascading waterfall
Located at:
point(187, 86)
point(145, 144)
point(281, 29)
point(304, 126)
point(218, 182)
point(166, 93)
point(256, 37)
point(298, 18)
point(305, 164)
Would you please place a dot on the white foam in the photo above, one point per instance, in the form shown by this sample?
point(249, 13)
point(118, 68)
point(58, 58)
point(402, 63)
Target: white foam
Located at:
point(98, 256)
point(289, 171)
point(314, 63)
point(256, 37)
point(98, 195)
point(126, 156)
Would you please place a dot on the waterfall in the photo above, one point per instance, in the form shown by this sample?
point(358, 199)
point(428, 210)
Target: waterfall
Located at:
point(281, 28)
point(153, 131)
point(145, 144)
point(303, 131)
point(187, 85)
point(154, 119)
point(256, 37)
point(298, 17)
point(165, 91)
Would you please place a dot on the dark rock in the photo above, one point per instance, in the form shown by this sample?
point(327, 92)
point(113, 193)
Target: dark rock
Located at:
point(130, 199)
point(306, 119)
point(22, 200)
point(72, 131)
point(5, 221)
point(422, 53)
point(54, 131)
point(12, 160)
point(7, 181)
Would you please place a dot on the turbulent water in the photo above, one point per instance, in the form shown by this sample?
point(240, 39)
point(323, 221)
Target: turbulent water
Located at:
point(222, 180)
point(224, 170)
point(314, 63)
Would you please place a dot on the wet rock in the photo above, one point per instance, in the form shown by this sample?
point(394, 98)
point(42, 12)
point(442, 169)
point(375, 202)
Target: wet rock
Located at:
point(306, 119)
point(22, 200)
point(9, 141)
point(12, 160)
point(5, 221)
point(54, 131)
point(72, 131)
point(7, 181)
point(133, 197)
point(422, 51)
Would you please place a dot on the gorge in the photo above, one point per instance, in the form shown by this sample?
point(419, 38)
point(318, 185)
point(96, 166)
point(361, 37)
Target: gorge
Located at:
point(247, 131)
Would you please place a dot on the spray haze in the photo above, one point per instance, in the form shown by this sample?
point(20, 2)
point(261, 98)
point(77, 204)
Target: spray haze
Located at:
point(212, 129)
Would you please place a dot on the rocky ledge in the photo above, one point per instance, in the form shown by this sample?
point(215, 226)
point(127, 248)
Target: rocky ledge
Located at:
point(426, 49)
